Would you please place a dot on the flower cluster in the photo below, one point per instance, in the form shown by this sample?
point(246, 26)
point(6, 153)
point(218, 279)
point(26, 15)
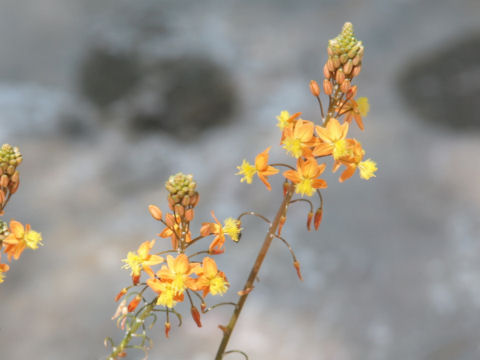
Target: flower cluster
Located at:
point(309, 143)
point(178, 276)
point(14, 237)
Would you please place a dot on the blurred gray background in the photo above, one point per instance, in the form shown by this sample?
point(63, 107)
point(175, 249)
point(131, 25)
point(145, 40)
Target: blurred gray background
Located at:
point(107, 98)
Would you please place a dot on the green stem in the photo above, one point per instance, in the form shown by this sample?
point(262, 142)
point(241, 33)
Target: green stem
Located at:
point(136, 323)
point(254, 272)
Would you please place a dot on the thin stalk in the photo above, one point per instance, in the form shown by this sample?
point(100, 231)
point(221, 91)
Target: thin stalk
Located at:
point(117, 350)
point(227, 331)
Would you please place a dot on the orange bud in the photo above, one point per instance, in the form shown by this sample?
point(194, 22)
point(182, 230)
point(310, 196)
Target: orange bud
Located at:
point(314, 89)
point(134, 303)
point(171, 202)
point(356, 70)
point(2, 196)
point(120, 294)
point(296, 264)
point(345, 86)
point(327, 87)
point(15, 177)
point(339, 76)
point(203, 307)
point(167, 328)
point(318, 218)
point(135, 279)
point(194, 200)
point(13, 187)
point(122, 354)
point(179, 209)
point(336, 61)
point(196, 316)
point(326, 72)
point(4, 180)
point(286, 185)
point(347, 68)
point(189, 214)
point(330, 65)
point(155, 212)
point(309, 220)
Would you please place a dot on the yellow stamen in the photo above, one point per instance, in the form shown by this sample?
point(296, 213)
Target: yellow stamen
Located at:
point(283, 119)
point(232, 228)
point(367, 169)
point(247, 170)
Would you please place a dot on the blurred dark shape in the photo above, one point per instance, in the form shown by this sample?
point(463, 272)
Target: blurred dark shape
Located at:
point(190, 95)
point(74, 126)
point(444, 86)
point(107, 75)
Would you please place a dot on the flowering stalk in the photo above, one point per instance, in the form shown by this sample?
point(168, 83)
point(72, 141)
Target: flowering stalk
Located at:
point(227, 331)
point(14, 237)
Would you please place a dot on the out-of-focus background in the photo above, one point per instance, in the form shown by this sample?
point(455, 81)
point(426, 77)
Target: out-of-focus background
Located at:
point(107, 98)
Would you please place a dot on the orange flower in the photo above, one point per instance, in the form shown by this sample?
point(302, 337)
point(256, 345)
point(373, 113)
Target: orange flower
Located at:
point(261, 168)
point(330, 135)
point(350, 154)
point(173, 230)
point(356, 109)
point(305, 177)
point(141, 260)
point(173, 279)
point(19, 239)
point(298, 138)
point(211, 280)
point(231, 227)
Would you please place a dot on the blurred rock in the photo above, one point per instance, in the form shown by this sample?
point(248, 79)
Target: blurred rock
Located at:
point(106, 75)
point(186, 96)
point(445, 86)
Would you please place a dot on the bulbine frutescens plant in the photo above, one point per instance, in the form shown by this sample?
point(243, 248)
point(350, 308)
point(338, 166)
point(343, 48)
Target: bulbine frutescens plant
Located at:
point(183, 275)
point(14, 237)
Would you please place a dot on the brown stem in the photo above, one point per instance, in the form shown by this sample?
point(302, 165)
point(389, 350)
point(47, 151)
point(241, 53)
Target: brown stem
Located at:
point(227, 331)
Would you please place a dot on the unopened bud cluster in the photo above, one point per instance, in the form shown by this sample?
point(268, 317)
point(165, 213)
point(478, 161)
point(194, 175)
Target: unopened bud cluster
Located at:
point(10, 158)
point(344, 62)
point(182, 190)
point(3, 230)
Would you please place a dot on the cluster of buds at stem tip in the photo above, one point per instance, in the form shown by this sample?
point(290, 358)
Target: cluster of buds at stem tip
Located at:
point(344, 62)
point(10, 158)
point(181, 190)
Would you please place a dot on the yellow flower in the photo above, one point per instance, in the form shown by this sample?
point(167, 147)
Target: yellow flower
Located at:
point(363, 106)
point(262, 169)
point(306, 176)
point(20, 238)
point(283, 119)
point(247, 170)
point(141, 260)
point(367, 169)
point(211, 280)
point(232, 228)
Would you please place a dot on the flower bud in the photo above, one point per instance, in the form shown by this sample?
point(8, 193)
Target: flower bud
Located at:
point(309, 220)
point(347, 68)
point(336, 61)
point(318, 218)
point(345, 86)
point(339, 76)
point(167, 328)
point(196, 316)
point(327, 87)
point(155, 212)
point(326, 72)
point(296, 264)
point(314, 89)
point(356, 70)
point(330, 65)
point(134, 303)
